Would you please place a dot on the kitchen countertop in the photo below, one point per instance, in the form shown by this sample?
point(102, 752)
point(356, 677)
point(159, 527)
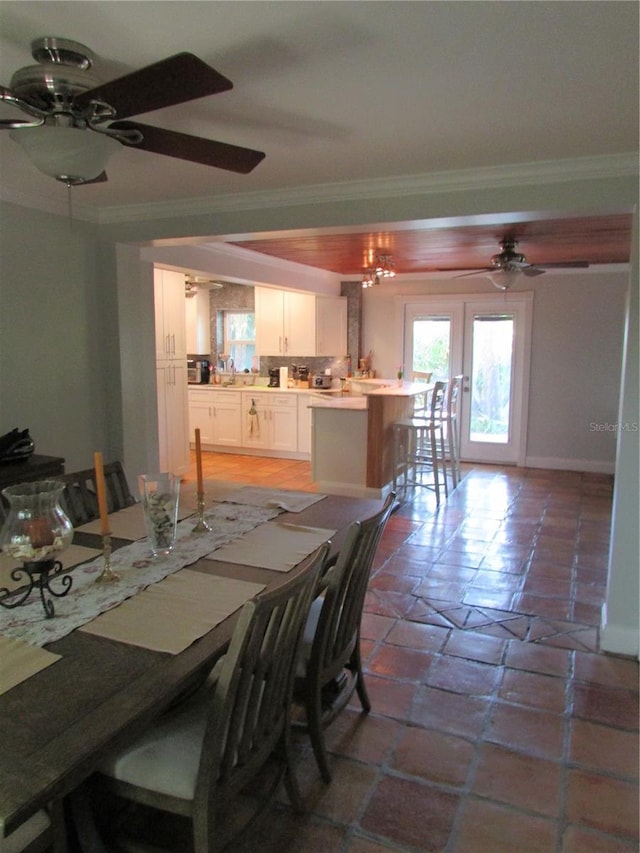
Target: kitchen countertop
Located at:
point(238, 386)
point(333, 398)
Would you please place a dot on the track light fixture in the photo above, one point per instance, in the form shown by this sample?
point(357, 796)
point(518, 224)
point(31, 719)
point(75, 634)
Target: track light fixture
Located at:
point(384, 268)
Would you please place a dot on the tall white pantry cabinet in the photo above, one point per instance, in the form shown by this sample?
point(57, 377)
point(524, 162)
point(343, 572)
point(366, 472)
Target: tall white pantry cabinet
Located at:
point(171, 371)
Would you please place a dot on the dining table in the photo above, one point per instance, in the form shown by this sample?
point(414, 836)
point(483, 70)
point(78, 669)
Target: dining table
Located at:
point(100, 692)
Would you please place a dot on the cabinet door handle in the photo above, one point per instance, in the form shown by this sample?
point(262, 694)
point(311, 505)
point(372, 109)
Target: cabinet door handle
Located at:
point(173, 344)
point(167, 344)
point(286, 344)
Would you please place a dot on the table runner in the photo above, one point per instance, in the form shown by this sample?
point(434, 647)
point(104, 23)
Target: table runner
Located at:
point(275, 545)
point(288, 500)
point(19, 661)
point(191, 603)
point(137, 569)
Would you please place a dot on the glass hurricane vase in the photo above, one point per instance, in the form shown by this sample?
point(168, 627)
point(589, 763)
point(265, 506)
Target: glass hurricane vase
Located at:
point(35, 530)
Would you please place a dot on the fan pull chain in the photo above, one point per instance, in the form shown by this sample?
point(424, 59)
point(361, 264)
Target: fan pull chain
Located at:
point(69, 207)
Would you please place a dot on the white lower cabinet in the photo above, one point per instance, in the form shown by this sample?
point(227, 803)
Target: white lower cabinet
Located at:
point(304, 424)
point(173, 438)
point(270, 421)
point(259, 422)
point(218, 416)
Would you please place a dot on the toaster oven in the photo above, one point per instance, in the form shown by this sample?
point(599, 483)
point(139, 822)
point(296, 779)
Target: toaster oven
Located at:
point(321, 380)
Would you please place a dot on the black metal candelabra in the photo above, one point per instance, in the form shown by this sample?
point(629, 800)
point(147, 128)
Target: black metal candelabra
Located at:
point(40, 575)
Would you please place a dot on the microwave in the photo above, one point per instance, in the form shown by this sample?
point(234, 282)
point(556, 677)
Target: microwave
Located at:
point(198, 371)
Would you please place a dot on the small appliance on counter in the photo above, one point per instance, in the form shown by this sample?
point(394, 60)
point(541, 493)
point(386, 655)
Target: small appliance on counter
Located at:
point(198, 372)
point(322, 380)
point(300, 375)
point(274, 377)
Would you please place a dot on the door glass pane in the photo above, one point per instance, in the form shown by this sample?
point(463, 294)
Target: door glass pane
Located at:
point(431, 346)
point(491, 378)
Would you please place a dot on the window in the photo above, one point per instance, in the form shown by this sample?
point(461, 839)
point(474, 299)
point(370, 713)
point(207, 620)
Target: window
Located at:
point(240, 338)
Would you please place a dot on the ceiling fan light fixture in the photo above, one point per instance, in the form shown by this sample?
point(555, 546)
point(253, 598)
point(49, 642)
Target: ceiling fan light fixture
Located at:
point(504, 279)
point(72, 155)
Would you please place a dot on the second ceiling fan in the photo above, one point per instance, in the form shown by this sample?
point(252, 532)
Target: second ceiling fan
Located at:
point(508, 264)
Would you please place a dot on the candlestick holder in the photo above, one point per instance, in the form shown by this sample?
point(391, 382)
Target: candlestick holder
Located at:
point(201, 525)
point(107, 575)
point(39, 576)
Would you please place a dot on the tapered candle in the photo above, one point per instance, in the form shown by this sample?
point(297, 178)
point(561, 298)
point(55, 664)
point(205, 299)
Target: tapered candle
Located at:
point(199, 463)
point(102, 494)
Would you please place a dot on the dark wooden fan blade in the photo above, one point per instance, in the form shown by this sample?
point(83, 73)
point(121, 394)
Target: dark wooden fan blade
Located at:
point(476, 272)
point(174, 80)
point(193, 148)
point(532, 271)
point(102, 177)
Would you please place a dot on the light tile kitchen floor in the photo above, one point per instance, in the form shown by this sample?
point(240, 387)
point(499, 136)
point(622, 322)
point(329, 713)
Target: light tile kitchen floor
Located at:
point(497, 726)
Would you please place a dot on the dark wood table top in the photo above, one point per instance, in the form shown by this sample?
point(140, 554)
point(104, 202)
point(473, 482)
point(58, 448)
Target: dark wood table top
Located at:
point(56, 726)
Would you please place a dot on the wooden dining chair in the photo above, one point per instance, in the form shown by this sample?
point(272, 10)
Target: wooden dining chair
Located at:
point(196, 759)
point(79, 499)
point(32, 836)
point(43, 832)
point(330, 665)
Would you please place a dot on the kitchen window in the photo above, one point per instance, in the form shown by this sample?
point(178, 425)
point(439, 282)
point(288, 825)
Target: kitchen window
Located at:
point(240, 338)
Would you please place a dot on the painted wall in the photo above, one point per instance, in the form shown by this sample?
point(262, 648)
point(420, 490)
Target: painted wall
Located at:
point(57, 333)
point(621, 612)
point(577, 336)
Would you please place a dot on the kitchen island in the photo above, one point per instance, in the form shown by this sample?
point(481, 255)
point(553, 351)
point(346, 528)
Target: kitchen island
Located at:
point(352, 437)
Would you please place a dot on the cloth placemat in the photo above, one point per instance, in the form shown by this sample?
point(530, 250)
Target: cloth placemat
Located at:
point(289, 500)
point(19, 661)
point(127, 523)
point(274, 545)
point(169, 616)
point(71, 556)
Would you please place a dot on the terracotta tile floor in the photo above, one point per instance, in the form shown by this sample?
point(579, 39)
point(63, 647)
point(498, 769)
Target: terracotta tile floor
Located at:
point(497, 727)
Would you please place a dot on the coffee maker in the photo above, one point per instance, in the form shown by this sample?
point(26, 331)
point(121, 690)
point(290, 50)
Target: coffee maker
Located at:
point(274, 377)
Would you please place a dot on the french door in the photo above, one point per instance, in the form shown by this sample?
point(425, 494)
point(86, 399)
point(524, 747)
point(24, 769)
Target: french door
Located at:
point(487, 340)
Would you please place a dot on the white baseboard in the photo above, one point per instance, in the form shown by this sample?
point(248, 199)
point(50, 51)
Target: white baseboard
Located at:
point(589, 466)
point(618, 639)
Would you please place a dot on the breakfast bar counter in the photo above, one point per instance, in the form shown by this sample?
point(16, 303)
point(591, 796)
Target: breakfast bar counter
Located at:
point(352, 437)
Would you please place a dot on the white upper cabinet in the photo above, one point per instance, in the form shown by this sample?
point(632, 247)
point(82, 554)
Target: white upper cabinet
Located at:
point(299, 323)
point(290, 323)
point(285, 322)
point(198, 332)
point(269, 308)
point(171, 335)
point(331, 325)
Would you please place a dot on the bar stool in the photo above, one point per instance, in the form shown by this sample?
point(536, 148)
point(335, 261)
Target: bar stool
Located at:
point(421, 401)
point(452, 428)
point(419, 447)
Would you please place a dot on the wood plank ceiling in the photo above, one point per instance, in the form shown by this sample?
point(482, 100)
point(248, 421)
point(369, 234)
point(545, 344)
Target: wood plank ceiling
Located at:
point(602, 239)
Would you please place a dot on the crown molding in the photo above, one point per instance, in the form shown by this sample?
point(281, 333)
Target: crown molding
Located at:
point(476, 179)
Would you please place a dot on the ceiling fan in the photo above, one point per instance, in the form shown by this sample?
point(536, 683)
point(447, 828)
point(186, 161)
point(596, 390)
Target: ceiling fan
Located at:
point(193, 282)
point(508, 264)
point(76, 122)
